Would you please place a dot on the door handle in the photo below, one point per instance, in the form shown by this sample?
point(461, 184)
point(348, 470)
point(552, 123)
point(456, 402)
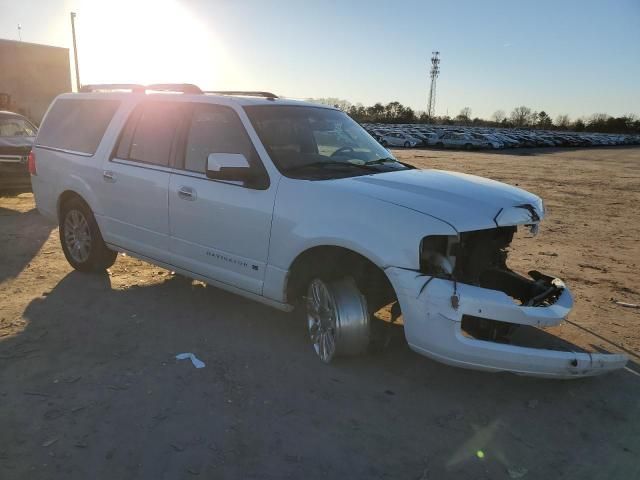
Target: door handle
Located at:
point(187, 193)
point(108, 176)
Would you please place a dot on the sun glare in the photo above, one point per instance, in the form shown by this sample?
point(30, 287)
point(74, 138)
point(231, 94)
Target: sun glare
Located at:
point(148, 41)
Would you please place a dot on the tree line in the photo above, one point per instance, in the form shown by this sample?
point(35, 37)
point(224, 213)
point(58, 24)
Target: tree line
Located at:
point(519, 117)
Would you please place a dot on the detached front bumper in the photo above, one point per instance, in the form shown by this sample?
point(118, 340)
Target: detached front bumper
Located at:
point(433, 328)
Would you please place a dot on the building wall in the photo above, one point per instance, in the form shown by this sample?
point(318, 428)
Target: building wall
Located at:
point(33, 75)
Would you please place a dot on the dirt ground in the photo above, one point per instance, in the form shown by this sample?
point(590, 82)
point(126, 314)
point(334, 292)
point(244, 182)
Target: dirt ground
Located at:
point(90, 388)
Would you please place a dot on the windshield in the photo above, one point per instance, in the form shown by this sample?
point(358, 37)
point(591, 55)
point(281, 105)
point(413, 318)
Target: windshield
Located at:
point(319, 143)
point(13, 126)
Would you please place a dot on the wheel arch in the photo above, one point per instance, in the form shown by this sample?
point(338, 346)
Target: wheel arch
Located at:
point(337, 261)
point(64, 197)
point(99, 257)
point(75, 184)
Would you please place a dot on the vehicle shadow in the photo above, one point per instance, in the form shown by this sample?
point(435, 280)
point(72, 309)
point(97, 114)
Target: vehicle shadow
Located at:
point(91, 388)
point(22, 235)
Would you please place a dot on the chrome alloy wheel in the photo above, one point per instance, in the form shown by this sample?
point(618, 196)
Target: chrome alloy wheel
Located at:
point(337, 318)
point(77, 235)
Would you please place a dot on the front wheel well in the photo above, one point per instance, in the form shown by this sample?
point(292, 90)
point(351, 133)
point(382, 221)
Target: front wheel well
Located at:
point(331, 262)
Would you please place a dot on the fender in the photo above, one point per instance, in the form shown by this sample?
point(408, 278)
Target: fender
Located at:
point(311, 214)
point(308, 214)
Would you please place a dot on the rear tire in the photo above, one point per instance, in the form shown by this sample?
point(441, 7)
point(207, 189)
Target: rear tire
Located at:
point(81, 239)
point(338, 319)
point(467, 146)
point(383, 143)
point(439, 145)
point(407, 144)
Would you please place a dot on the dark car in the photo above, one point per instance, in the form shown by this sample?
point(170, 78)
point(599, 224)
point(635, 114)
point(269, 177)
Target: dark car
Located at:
point(16, 138)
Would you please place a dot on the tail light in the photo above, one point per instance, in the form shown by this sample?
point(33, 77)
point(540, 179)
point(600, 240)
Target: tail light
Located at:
point(31, 163)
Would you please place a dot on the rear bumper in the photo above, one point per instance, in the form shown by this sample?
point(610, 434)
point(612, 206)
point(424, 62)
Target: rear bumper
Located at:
point(13, 172)
point(433, 328)
point(45, 197)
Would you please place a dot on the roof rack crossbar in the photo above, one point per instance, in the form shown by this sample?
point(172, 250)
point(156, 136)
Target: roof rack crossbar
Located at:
point(244, 93)
point(136, 88)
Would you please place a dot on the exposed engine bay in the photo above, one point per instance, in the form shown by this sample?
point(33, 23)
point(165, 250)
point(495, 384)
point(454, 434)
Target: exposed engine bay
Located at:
point(480, 258)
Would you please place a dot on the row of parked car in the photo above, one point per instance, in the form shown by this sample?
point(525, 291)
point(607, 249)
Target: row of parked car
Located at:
point(470, 138)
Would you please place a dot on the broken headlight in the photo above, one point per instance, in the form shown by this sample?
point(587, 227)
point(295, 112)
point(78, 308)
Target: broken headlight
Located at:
point(437, 256)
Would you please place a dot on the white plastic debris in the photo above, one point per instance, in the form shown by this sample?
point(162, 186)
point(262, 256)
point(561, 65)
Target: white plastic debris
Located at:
point(627, 305)
point(196, 362)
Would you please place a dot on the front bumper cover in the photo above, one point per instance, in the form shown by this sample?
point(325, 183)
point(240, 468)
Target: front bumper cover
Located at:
point(433, 328)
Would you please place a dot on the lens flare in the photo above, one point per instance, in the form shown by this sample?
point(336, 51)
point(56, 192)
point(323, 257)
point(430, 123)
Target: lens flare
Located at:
point(148, 41)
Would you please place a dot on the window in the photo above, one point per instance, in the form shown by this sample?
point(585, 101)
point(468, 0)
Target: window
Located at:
point(15, 126)
point(216, 129)
point(318, 143)
point(149, 133)
point(77, 124)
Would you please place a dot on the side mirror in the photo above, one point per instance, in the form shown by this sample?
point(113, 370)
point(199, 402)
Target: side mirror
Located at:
point(227, 166)
point(218, 161)
point(233, 167)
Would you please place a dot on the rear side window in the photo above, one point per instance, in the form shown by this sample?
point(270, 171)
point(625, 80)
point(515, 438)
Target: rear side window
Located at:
point(77, 125)
point(150, 132)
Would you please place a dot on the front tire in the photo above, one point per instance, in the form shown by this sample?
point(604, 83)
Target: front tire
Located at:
point(81, 240)
point(407, 144)
point(337, 318)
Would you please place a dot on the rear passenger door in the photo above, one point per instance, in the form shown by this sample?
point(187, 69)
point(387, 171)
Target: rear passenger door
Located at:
point(135, 181)
point(220, 229)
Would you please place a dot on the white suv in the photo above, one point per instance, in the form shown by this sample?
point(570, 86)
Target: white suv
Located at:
point(282, 201)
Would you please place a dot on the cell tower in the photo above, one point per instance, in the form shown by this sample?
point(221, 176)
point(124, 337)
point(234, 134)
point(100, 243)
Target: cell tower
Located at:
point(435, 71)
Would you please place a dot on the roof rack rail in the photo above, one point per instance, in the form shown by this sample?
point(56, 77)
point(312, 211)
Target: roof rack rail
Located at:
point(175, 87)
point(112, 86)
point(267, 95)
point(136, 88)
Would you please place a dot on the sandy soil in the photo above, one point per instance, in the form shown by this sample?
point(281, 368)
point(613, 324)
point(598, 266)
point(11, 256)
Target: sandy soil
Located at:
point(90, 388)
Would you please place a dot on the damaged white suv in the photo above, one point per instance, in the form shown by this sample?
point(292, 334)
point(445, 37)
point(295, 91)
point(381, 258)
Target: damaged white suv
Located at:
point(282, 201)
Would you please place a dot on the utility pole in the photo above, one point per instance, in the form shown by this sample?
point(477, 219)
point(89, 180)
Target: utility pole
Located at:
point(75, 49)
point(435, 71)
point(20, 32)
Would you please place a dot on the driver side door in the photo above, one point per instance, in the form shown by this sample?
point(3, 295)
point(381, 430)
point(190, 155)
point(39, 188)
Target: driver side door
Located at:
point(219, 229)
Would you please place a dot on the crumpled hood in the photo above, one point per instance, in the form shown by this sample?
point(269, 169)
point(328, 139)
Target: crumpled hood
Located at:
point(466, 202)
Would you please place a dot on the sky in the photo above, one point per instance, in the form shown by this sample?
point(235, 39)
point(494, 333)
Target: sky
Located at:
point(561, 56)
